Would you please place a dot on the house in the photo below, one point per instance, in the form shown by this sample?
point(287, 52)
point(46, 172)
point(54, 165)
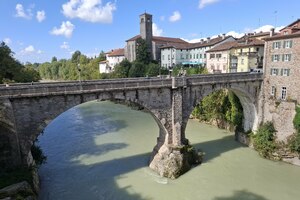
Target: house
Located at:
point(243, 55)
point(281, 89)
point(189, 54)
point(113, 57)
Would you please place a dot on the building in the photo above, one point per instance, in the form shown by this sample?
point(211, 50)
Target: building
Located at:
point(281, 89)
point(154, 42)
point(113, 57)
point(189, 54)
point(243, 55)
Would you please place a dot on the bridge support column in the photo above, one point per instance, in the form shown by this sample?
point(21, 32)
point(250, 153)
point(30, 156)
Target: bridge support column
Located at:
point(174, 157)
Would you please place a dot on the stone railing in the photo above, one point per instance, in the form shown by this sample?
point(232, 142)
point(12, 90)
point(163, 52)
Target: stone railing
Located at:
point(80, 87)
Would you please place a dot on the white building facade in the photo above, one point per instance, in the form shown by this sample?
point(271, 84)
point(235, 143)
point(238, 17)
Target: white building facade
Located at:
point(113, 58)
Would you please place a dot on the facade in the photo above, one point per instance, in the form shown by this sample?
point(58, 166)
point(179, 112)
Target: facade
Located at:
point(243, 55)
point(281, 78)
point(113, 57)
point(189, 54)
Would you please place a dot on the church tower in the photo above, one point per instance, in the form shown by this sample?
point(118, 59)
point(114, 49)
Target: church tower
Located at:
point(146, 30)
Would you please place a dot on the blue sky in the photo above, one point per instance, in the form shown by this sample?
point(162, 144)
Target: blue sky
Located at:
point(37, 30)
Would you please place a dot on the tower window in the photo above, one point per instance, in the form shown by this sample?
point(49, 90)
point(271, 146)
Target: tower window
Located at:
point(283, 93)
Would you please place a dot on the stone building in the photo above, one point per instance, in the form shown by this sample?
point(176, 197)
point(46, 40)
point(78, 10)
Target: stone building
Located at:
point(281, 89)
point(113, 57)
point(154, 42)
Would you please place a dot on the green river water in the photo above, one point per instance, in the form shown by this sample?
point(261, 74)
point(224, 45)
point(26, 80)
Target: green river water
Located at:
point(100, 150)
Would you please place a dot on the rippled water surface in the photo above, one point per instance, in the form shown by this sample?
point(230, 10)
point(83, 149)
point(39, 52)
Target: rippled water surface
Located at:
point(100, 150)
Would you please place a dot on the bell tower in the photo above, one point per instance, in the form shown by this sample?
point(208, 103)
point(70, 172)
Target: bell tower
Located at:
point(146, 30)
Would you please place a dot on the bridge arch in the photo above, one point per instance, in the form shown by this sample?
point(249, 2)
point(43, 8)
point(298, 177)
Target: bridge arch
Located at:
point(246, 93)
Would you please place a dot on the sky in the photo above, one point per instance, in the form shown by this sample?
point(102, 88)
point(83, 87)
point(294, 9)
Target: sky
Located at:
point(37, 30)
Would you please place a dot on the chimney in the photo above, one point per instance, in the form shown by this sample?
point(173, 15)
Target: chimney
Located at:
point(208, 39)
point(223, 36)
point(272, 32)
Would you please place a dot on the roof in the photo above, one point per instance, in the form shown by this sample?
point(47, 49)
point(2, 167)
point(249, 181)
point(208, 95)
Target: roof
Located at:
point(211, 42)
point(204, 43)
point(297, 21)
point(242, 43)
point(160, 39)
point(281, 36)
point(116, 52)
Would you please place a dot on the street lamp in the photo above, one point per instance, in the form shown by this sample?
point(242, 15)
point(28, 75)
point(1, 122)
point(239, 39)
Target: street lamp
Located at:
point(79, 71)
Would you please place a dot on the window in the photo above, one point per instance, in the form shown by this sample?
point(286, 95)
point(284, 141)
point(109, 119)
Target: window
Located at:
point(218, 55)
point(285, 72)
point(283, 93)
point(194, 56)
point(276, 45)
point(275, 58)
point(200, 55)
point(242, 61)
point(287, 44)
point(168, 57)
point(273, 91)
point(224, 67)
point(187, 56)
point(197, 56)
point(274, 71)
point(163, 57)
point(212, 56)
point(204, 56)
point(191, 56)
point(286, 57)
point(181, 56)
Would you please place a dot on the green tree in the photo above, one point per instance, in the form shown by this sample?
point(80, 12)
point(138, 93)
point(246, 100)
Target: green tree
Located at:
point(137, 69)
point(152, 69)
point(142, 53)
point(122, 69)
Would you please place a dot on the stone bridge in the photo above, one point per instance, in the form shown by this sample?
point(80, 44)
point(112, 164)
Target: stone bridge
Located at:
point(26, 109)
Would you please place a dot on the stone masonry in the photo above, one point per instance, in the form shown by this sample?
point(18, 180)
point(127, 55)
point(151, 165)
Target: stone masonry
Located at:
point(27, 109)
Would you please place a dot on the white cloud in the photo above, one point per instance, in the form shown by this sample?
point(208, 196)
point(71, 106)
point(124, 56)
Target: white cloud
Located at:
point(65, 45)
point(65, 29)
point(162, 18)
point(203, 3)
point(7, 41)
point(22, 13)
point(89, 10)
point(235, 34)
point(29, 49)
point(156, 31)
point(175, 17)
point(40, 15)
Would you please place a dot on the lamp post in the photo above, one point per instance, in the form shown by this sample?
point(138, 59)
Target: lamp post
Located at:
point(79, 71)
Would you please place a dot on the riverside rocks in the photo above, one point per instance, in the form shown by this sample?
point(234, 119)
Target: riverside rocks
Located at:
point(20, 191)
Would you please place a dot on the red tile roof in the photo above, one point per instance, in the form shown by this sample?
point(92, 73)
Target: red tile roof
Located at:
point(242, 43)
point(281, 36)
point(116, 52)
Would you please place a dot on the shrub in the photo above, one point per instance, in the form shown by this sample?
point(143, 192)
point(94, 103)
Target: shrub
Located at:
point(296, 120)
point(294, 143)
point(264, 140)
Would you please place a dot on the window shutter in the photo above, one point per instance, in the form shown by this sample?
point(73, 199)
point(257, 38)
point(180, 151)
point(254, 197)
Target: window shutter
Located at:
point(284, 43)
point(282, 57)
point(271, 69)
point(288, 72)
point(281, 72)
point(276, 72)
point(272, 58)
point(279, 44)
point(290, 57)
point(273, 45)
point(291, 43)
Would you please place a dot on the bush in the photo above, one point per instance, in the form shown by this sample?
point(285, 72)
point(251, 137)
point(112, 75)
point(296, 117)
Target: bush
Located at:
point(294, 143)
point(296, 120)
point(264, 140)
point(38, 155)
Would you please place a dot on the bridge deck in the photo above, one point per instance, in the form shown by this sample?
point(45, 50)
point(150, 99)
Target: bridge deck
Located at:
point(79, 87)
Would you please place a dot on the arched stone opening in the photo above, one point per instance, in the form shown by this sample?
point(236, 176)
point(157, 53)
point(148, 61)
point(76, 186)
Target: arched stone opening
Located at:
point(246, 99)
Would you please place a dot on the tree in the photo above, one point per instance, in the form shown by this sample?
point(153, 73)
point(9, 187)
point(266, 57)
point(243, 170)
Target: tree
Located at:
point(142, 53)
point(122, 69)
point(152, 70)
point(137, 69)
point(54, 59)
point(76, 56)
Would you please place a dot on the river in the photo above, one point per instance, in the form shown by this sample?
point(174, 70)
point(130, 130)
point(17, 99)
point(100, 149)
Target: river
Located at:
point(100, 150)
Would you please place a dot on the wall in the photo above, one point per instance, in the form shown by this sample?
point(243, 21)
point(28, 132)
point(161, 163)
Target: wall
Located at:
point(278, 110)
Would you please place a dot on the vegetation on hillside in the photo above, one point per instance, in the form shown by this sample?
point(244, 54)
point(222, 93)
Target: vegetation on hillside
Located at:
point(294, 142)
point(264, 140)
point(12, 70)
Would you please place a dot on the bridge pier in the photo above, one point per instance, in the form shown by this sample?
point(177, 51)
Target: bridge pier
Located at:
point(173, 156)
